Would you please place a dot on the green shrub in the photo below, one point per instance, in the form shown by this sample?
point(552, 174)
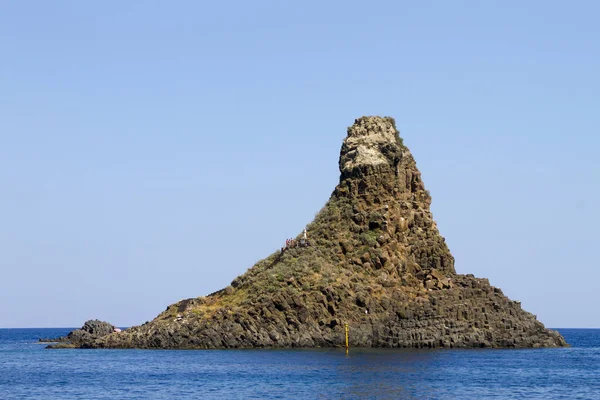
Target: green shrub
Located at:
point(368, 238)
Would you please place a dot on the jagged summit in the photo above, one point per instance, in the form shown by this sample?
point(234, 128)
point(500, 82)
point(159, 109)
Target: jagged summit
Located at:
point(380, 178)
point(371, 141)
point(376, 261)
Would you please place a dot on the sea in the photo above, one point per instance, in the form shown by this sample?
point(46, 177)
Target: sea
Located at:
point(29, 371)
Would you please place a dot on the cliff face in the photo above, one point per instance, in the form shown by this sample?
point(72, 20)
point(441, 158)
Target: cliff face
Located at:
point(375, 261)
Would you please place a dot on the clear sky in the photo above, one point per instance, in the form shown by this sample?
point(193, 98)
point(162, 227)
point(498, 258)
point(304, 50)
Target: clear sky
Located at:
point(151, 151)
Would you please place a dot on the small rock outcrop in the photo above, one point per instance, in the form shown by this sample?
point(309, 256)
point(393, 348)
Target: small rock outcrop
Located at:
point(83, 337)
point(375, 261)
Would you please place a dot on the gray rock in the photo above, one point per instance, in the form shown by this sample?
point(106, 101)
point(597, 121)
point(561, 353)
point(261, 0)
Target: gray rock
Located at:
point(83, 337)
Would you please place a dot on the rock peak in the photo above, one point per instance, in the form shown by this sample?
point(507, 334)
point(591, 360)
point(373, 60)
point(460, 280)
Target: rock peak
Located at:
point(371, 141)
point(371, 125)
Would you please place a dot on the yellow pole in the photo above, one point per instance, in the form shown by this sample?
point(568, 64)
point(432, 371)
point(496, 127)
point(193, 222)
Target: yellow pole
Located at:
point(346, 325)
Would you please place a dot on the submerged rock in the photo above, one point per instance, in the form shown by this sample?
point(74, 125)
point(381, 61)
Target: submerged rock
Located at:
point(374, 261)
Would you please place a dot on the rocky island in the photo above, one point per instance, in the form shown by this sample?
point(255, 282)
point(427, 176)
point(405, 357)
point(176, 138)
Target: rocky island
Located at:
point(373, 259)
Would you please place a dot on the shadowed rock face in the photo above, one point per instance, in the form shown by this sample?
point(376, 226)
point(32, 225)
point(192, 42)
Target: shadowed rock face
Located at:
point(376, 261)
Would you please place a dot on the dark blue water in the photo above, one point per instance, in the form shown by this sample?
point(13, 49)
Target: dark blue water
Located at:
point(27, 371)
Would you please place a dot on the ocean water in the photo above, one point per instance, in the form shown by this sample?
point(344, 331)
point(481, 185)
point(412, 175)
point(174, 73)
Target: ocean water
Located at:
point(28, 371)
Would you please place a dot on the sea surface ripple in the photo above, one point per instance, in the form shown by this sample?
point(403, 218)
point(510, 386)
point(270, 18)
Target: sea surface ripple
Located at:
point(28, 371)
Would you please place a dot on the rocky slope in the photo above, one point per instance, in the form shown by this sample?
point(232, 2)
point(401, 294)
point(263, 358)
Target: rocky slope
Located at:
point(376, 262)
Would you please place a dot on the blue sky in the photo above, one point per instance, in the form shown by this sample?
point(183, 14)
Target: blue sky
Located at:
point(152, 151)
